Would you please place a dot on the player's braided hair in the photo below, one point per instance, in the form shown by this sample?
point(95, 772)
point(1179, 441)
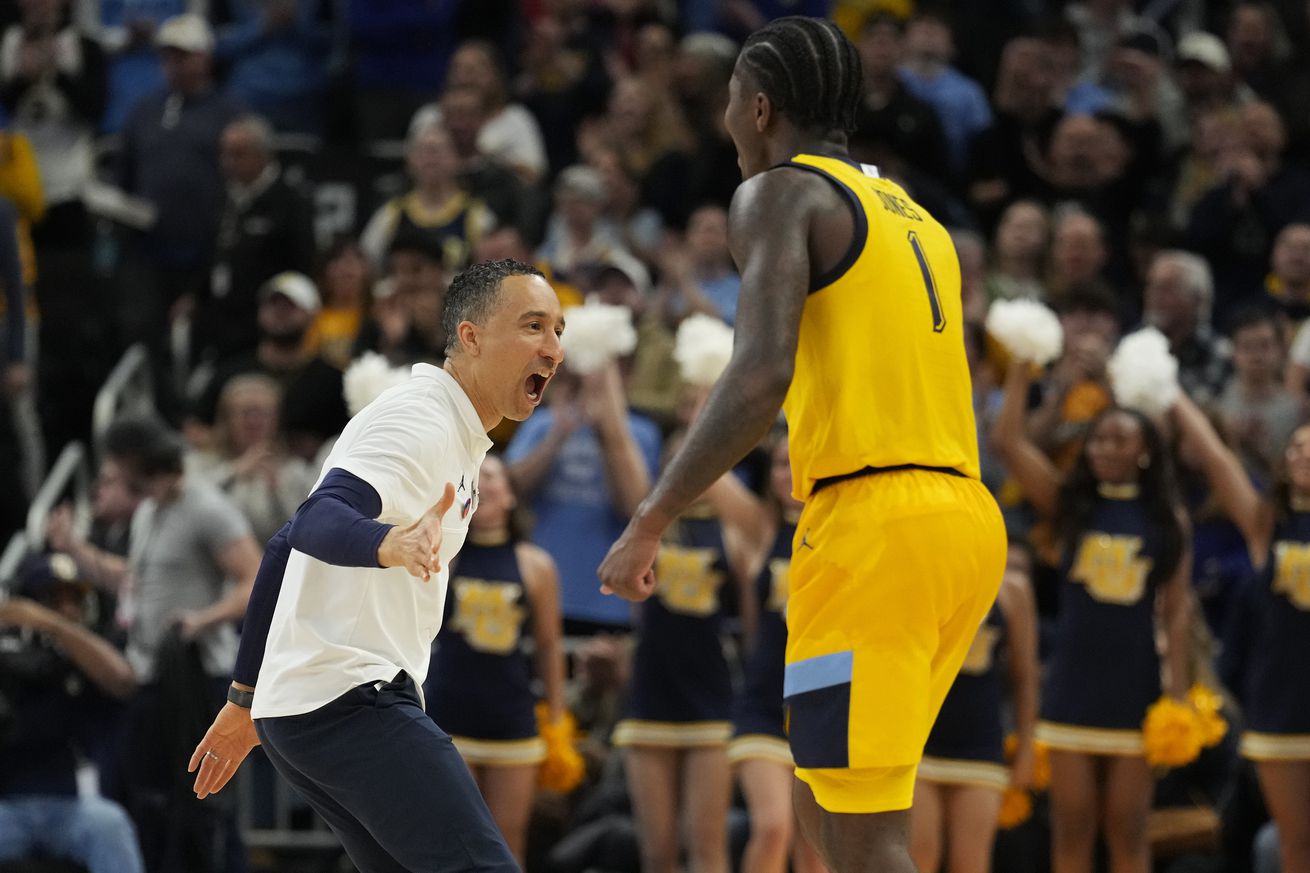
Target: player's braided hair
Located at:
point(809, 70)
point(472, 294)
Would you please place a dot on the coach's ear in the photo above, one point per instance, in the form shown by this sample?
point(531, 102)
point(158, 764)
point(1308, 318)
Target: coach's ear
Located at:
point(468, 338)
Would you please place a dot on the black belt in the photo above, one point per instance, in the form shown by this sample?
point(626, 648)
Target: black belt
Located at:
point(820, 484)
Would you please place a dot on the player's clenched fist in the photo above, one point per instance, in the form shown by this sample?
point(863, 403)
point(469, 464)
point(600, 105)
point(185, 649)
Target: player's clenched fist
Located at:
point(416, 546)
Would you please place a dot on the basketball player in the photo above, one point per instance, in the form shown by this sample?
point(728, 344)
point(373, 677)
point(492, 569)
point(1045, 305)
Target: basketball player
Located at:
point(850, 311)
point(351, 592)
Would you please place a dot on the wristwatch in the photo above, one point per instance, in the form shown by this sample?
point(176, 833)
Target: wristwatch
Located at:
point(243, 699)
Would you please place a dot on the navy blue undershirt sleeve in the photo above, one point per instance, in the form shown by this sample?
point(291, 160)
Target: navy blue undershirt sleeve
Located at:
point(259, 611)
point(338, 525)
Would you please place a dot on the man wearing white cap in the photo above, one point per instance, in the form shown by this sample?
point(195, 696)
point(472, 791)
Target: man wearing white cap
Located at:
point(170, 158)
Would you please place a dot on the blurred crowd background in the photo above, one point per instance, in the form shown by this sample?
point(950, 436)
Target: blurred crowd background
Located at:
point(253, 193)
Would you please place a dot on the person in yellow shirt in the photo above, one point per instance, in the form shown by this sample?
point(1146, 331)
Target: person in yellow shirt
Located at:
point(850, 311)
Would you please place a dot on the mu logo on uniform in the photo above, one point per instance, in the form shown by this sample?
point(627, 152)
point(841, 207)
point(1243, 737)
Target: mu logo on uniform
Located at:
point(488, 614)
point(1292, 572)
point(1112, 568)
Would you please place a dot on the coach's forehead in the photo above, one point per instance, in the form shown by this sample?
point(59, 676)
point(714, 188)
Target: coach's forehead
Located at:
point(523, 294)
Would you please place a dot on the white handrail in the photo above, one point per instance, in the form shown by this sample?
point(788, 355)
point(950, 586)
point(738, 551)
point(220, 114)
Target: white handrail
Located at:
point(132, 370)
point(10, 560)
point(71, 467)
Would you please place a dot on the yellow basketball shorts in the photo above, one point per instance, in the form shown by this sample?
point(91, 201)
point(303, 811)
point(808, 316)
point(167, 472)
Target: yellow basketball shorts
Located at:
point(891, 575)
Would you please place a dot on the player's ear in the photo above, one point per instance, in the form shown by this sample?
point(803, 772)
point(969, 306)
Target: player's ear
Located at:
point(763, 112)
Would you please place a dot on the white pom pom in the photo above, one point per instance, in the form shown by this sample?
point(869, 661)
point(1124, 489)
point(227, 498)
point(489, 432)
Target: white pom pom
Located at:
point(1143, 375)
point(596, 334)
point(367, 377)
point(702, 349)
point(1029, 330)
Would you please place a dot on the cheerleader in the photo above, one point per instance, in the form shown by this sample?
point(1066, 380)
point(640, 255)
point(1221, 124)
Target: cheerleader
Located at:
point(1275, 683)
point(677, 718)
point(957, 796)
point(759, 751)
point(1123, 536)
point(479, 688)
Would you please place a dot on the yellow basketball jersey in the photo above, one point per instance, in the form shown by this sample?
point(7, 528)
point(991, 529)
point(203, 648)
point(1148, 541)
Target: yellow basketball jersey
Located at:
point(881, 377)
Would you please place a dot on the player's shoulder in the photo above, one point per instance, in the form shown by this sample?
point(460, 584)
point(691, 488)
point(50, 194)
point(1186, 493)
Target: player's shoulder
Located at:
point(787, 189)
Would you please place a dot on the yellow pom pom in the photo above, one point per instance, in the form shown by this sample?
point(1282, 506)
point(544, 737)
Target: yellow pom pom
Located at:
point(1016, 808)
point(564, 769)
point(1041, 766)
point(1171, 734)
point(1209, 710)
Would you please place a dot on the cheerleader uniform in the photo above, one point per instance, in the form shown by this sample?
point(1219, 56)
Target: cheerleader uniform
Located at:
point(967, 743)
point(680, 694)
point(758, 724)
point(479, 687)
point(1104, 672)
point(1277, 683)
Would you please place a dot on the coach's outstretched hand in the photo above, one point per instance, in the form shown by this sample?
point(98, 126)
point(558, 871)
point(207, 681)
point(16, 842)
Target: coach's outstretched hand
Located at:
point(628, 569)
point(416, 547)
point(226, 744)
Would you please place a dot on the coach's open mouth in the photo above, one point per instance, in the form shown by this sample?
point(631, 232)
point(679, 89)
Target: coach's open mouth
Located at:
point(536, 385)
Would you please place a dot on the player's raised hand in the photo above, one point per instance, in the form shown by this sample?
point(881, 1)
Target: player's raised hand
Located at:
point(416, 547)
point(629, 568)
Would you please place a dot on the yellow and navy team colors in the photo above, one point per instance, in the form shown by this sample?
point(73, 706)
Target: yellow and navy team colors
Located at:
point(758, 729)
point(967, 743)
point(900, 549)
point(680, 694)
point(1276, 695)
point(1092, 703)
point(479, 687)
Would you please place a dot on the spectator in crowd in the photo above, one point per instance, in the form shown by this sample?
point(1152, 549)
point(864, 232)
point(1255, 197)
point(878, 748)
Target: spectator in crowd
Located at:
point(575, 234)
point(638, 227)
point(487, 178)
point(1019, 253)
point(563, 81)
point(170, 158)
point(1000, 160)
point(1075, 392)
point(1099, 25)
point(276, 54)
point(1205, 74)
point(1257, 44)
point(1255, 408)
point(508, 133)
point(52, 85)
point(400, 53)
point(247, 459)
point(266, 229)
point(346, 283)
point(890, 117)
point(652, 380)
point(126, 30)
point(1257, 196)
point(1078, 252)
point(701, 268)
point(582, 465)
point(1178, 301)
point(20, 184)
point(1288, 282)
point(961, 104)
point(437, 206)
point(114, 500)
point(182, 588)
point(57, 698)
point(1143, 92)
point(313, 407)
point(646, 127)
point(407, 324)
point(702, 70)
point(1201, 165)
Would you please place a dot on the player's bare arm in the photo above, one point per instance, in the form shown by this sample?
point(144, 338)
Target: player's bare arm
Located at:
point(772, 223)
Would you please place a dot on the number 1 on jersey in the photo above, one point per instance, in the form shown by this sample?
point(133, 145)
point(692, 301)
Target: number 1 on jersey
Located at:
point(938, 317)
